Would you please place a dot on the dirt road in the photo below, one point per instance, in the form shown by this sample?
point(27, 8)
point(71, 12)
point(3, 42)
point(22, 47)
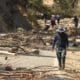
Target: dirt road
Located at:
point(45, 61)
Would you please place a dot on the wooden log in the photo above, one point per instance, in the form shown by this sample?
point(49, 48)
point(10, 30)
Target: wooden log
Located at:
point(26, 50)
point(7, 53)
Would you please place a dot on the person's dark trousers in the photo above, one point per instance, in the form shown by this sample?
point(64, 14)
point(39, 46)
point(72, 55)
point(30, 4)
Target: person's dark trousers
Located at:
point(76, 24)
point(45, 20)
point(58, 21)
point(61, 56)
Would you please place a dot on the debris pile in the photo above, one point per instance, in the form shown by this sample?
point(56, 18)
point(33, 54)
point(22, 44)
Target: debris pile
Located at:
point(23, 75)
point(28, 42)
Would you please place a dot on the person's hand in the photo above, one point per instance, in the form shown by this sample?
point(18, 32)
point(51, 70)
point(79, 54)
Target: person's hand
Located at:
point(67, 48)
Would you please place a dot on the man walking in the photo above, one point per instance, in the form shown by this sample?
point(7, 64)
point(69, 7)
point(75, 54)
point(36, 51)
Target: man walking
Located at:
point(45, 16)
point(58, 18)
point(76, 20)
point(61, 42)
point(53, 20)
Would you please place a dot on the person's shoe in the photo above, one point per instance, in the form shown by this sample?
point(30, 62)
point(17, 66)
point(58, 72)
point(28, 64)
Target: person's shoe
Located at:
point(63, 67)
point(60, 68)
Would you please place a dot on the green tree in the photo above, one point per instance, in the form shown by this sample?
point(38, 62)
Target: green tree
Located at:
point(33, 8)
point(66, 7)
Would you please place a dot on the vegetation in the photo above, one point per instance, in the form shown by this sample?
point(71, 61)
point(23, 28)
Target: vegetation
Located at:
point(65, 7)
point(34, 9)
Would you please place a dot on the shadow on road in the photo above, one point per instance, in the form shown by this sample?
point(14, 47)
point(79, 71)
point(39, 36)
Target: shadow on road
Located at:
point(57, 78)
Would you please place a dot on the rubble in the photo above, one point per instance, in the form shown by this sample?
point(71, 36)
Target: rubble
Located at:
point(26, 50)
point(20, 41)
point(30, 42)
point(8, 68)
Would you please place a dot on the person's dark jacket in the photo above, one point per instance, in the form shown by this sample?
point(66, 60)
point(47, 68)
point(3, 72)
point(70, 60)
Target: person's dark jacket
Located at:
point(60, 40)
point(76, 19)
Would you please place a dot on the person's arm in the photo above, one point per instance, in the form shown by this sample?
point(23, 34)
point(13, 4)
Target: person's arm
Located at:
point(67, 40)
point(54, 41)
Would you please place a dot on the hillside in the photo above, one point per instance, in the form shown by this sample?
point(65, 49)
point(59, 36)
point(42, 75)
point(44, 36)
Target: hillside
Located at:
point(10, 16)
point(20, 13)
